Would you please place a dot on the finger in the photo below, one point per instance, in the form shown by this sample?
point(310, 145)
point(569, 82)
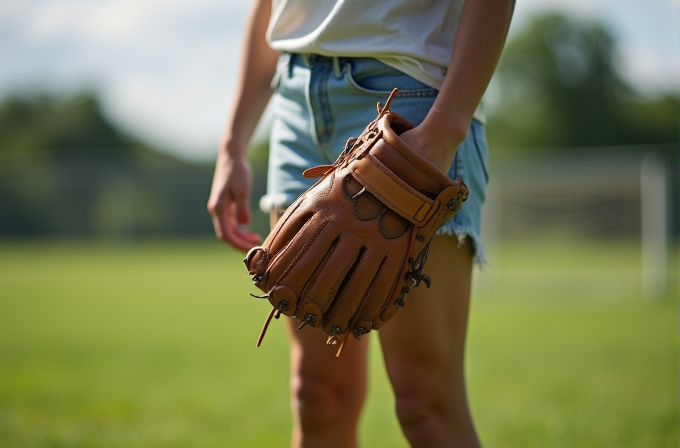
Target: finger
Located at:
point(248, 237)
point(215, 209)
point(228, 231)
point(218, 218)
point(241, 239)
point(242, 205)
point(245, 238)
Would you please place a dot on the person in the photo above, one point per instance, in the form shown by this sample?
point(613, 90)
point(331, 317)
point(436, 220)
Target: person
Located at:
point(329, 62)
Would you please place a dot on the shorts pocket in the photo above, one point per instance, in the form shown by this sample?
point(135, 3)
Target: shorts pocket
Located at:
point(372, 77)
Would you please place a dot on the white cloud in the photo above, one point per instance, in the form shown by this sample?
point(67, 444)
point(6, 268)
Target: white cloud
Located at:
point(183, 111)
point(163, 67)
point(649, 69)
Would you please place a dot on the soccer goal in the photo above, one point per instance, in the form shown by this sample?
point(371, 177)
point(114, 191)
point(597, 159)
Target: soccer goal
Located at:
point(580, 227)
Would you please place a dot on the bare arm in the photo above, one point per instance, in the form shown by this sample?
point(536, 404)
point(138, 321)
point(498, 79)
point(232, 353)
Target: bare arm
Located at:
point(229, 203)
point(480, 37)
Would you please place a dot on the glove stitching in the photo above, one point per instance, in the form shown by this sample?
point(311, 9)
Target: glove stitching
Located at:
point(383, 230)
point(328, 190)
point(281, 222)
point(355, 201)
point(381, 212)
point(304, 248)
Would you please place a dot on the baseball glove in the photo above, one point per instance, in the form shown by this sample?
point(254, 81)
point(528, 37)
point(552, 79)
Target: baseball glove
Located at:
point(345, 254)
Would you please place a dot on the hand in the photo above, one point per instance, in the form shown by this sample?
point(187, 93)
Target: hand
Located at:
point(436, 144)
point(229, 203)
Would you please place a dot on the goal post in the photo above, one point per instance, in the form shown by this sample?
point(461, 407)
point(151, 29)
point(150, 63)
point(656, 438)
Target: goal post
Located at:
point(654, 226)
point(604, 219)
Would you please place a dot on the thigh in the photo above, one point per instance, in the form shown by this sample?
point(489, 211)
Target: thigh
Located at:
point(424, 343)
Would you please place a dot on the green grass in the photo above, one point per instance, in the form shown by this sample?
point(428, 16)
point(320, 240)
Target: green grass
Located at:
point(152, 345)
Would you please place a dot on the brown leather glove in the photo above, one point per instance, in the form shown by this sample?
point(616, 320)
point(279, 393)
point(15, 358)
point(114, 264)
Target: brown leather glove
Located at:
point(346, 253)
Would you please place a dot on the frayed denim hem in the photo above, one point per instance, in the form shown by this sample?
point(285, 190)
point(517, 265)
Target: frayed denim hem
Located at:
point(275, 201)
point(462, 232)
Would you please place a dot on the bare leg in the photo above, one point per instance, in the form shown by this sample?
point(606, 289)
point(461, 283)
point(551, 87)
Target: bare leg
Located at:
point(423, 346)
point(327, 393)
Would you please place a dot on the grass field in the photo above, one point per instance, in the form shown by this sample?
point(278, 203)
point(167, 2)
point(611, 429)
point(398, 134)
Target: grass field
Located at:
point(152, 345)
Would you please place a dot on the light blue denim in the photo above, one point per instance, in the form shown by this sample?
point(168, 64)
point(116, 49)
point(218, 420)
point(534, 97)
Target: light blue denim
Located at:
point(320, 102)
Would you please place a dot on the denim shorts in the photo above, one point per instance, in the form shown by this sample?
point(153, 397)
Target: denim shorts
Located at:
point(319, 102)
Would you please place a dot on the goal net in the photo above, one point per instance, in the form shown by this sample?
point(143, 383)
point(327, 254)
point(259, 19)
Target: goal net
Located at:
point(577, 229)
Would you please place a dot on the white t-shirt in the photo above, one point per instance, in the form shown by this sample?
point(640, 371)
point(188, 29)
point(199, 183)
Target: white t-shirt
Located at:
point(413, 36)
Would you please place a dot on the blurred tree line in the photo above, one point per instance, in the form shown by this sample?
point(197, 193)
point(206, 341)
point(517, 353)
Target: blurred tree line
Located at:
point(558, 86)
point(65, 169)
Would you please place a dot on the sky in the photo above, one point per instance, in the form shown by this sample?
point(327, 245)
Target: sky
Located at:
point(165, 69)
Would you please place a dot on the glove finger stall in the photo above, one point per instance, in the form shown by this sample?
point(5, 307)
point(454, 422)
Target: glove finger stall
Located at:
point(355, 288)
point(296, 264)
point(301, 256)
point(377, 296)
point(329, 277)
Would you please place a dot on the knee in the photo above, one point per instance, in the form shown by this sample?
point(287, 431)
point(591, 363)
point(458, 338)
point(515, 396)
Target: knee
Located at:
point(431, 418)
point(420, 414)
point(314, 401)
point(321, 404)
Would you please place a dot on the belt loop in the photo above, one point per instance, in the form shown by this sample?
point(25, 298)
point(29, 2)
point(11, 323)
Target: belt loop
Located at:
point(337, 69)
point(283, 64)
